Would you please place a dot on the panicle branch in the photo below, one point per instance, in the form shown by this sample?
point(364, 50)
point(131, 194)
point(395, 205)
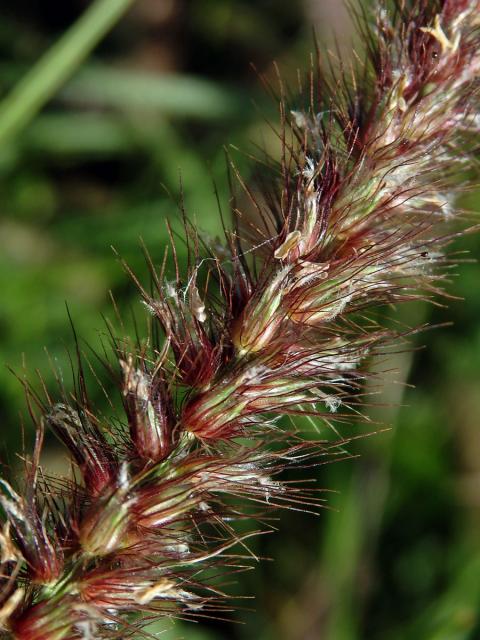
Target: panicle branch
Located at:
point(357, 216)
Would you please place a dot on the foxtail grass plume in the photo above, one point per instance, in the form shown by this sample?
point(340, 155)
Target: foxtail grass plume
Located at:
point(357, 215)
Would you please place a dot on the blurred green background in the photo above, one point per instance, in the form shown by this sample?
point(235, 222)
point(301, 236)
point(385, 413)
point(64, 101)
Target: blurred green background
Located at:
point(127, 132)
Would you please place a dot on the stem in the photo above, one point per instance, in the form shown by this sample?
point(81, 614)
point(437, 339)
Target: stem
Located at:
point(58, 63)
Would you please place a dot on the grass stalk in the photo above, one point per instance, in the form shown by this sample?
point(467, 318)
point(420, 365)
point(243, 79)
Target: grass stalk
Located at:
point(44, 79)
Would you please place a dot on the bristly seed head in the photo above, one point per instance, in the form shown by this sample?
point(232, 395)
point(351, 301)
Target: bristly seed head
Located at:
point(276, 323)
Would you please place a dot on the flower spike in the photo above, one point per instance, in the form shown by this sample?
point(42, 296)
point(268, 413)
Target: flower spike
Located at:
point(281, 321)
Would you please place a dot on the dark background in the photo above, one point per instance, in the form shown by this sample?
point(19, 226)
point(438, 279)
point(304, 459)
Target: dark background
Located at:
point(398, 554)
